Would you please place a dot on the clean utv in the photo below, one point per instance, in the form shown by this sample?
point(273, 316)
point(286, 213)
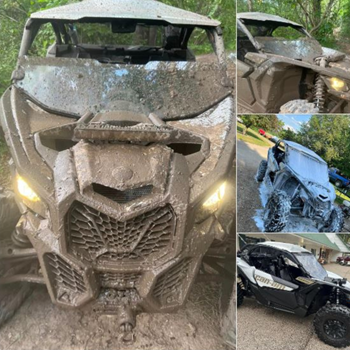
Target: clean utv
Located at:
point(288, 278)
point(297, 182)
point(121, 156)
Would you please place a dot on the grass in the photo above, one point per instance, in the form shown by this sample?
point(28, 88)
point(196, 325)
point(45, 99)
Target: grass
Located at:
point(341, 196)
point(5, 178)
point(251, 136)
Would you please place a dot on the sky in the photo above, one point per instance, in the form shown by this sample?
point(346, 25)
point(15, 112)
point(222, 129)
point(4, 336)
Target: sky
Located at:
point(294, 121)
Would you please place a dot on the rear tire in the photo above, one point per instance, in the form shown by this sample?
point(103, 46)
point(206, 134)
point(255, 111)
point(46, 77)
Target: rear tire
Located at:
point(335, 222)
point(12, 297)
point(332, 325)
point(299, 106)
point(277, 212)
point(261, 171)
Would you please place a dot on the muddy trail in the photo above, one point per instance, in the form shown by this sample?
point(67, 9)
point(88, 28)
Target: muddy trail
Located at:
point(41, 325)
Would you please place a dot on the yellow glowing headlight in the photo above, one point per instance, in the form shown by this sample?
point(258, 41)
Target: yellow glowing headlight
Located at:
point(25, 190)
point(215, 198)
point(211, 205)
point(338, 84)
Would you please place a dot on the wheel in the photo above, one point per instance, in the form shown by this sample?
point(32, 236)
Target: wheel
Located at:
point(261, 171)
point(335, 222)
point(332, 325)
point(240, 295)
point(9, 213)
point(299, 106)
point(277, 211)
point(12, 297)
point(338, 183)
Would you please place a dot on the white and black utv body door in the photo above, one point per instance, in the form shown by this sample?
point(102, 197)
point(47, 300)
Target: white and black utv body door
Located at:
point(276, 285)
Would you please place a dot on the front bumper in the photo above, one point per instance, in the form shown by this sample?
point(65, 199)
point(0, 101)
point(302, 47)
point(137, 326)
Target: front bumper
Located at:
point(161, 287)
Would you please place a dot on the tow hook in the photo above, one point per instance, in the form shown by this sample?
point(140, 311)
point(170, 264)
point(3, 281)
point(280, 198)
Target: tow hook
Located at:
point(127, 323)
point(127, 334)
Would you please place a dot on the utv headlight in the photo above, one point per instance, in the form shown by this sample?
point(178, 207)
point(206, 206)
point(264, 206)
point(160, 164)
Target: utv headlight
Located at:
point(338, 84)
point(211, 204)
point(25, 191)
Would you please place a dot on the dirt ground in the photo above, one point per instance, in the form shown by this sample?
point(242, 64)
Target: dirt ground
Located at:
point(41, 325)
point(278, 330)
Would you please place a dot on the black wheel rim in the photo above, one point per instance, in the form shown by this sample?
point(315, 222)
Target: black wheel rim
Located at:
point(335, 329)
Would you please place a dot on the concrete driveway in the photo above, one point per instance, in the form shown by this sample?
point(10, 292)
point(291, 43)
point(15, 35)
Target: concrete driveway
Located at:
point(248, 158)
point(260, 328)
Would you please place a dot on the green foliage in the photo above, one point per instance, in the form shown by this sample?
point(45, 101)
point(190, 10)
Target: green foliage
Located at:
point(329, 137)
point(14, 14)
point(323, 18)
point(268, 123)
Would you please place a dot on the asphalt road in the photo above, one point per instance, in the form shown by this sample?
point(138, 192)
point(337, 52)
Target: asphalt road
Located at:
point(260, 328)
point(41, 325)
point(248, 200)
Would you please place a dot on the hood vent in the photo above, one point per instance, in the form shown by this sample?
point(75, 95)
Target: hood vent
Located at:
point(122, 197)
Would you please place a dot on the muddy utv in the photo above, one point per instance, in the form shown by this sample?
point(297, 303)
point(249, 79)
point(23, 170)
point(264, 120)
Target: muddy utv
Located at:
point(289, 278)
point(281, 68)
point(297, 183)
point(121, 146)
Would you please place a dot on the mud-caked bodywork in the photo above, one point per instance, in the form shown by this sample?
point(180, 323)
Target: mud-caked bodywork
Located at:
point(297, 182)
point(120, 157)
point(289, 278)
point(280, 67)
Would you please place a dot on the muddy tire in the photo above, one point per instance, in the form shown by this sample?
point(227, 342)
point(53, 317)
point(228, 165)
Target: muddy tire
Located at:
point(261, 171)
point(240, 295)
point(9, 213)
point(12, 297)
point(335, 222)
point(299, 106)
point(277, 211)
point(332, 325)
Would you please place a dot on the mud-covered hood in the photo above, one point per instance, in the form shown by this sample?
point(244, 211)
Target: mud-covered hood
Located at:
point(305, 50)
point(75, 86)
point(324, 192)
point(334, 275)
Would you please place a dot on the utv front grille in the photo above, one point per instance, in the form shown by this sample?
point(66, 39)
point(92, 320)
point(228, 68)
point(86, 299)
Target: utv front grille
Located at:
point(119, 280)
point(105, 238)
point(65, 280)
point(122, 197)
point(169, 286)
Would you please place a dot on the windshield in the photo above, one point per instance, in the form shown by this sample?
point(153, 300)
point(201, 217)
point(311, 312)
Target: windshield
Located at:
point(307, 167)
point(284, 40)
point(311, 265)
point(120, 41)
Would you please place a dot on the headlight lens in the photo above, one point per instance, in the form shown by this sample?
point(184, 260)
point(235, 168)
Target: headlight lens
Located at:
point(338, 84)
point(212, 204)
point(25, 191)
point(215, 199)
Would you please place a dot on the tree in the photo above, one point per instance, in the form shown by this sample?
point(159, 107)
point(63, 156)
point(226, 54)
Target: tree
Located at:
point(267, 122)
point(329, 137)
